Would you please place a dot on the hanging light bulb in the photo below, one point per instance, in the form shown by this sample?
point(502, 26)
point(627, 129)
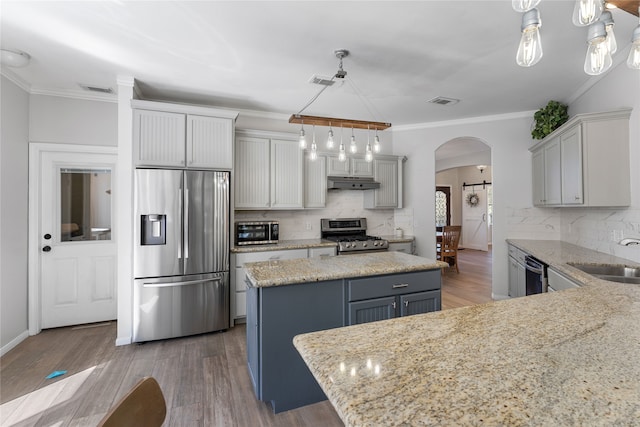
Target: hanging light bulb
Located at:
point(633, 60)
point(342, 155)
point(353, 148)
point(607, 18)
point(313, 156)
point(524, 5)
point(598, 59)
point(530, 48)
point(586, 12)
point(302, 140)
point(376, 143)
point(330, 138)
point(368, 154)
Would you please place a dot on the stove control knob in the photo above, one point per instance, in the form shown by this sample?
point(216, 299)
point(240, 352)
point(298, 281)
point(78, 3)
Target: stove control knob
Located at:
point(347, 245)
point(375, 243)
point(364, 245)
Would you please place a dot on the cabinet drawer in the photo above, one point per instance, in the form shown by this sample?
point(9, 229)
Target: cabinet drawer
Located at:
point(324, 251)
point(395, 284)
point(243, 258)
point(517, 254)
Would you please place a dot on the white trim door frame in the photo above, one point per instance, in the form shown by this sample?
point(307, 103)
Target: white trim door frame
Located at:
point(36, 152)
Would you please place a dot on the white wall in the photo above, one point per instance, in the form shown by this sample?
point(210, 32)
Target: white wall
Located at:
point(509, 138)
point(72, 121)
point(14, 155)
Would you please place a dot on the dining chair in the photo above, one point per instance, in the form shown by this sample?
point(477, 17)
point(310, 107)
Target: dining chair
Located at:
point(142, 406)
point(447, 248)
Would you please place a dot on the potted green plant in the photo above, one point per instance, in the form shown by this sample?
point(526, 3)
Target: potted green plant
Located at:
point(549, 119)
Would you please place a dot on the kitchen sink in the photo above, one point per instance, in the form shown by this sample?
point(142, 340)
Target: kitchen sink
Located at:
point(612, 273)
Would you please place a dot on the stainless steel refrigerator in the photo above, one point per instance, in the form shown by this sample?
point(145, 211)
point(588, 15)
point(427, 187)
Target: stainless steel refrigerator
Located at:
point(181, 253)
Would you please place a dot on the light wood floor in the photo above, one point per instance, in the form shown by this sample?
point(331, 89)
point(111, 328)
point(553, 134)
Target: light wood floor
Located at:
point(204, 378)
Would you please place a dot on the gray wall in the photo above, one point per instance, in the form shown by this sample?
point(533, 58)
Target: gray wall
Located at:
point(14, 154)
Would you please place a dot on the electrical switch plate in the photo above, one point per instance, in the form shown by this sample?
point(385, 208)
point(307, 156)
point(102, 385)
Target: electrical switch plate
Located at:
point(307, 226)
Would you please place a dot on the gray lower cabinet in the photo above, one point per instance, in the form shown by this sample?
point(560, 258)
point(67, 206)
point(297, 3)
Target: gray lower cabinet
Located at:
point(274, 316)
point(384, 297)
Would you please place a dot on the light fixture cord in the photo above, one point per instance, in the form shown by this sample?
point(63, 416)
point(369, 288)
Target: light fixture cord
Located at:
point(313, 99)
point(375, 114)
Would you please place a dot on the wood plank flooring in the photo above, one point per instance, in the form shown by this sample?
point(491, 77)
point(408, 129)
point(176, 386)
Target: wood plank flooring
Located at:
point(204, 378)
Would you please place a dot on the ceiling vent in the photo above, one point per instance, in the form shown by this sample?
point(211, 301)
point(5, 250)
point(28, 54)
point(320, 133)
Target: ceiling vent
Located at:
point(320, 80)
point(97, 89)
point(441, 100)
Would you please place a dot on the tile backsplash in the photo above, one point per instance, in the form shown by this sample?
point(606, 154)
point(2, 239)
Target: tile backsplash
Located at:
point(305, 224)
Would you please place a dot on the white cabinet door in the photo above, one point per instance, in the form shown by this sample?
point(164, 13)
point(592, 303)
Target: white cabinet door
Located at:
point(387, 196)
point(252, 173)
point(538, 177)
point(571, 160)
point(360, 167)
point(517, 279)
point(158, 138)
point(337, 168)
point(324, 251)
point(552, 175)
point(286, 174)
point(209, 142)
point(406, 247)
point(315, 181)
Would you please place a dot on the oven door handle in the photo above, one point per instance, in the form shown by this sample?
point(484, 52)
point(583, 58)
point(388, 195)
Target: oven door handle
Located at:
point(534, 268)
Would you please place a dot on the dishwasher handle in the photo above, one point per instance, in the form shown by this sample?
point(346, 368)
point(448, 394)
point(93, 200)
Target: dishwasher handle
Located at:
point(532, 264)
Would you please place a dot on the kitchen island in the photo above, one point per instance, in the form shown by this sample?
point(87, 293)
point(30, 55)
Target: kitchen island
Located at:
point(562, 358)
point(289, 297)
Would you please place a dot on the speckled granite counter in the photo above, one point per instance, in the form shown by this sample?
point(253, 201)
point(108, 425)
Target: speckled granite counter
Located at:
point(286, 272)
point(558, 359)
point(284, 245)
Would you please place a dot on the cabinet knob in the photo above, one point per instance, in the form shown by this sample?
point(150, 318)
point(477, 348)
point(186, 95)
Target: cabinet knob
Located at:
point(577, 197)
point(393, 304)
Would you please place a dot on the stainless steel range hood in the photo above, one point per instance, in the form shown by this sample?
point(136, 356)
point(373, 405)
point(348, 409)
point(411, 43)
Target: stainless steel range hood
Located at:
point(351, 183)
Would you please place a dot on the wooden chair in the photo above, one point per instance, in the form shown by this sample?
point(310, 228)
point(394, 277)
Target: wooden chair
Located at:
point(447, 249)
point(142, 406)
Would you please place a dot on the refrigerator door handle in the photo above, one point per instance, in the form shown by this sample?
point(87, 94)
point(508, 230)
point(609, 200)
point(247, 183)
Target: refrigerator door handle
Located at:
point(171, 284)
point(180, 210)
point(186, 224)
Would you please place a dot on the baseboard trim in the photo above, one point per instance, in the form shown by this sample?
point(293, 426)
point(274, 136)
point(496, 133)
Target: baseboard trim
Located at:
point(124, 341)
point(14, 342)
point(497, 297)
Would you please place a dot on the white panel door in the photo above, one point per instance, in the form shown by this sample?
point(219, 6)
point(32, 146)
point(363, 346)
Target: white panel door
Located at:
point(76, 245)
point(209, 142)
point(474, 221)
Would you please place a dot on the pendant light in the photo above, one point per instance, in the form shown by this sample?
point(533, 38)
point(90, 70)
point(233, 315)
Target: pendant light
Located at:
point(633, 60)
point(598, 59)
point(314, 148)
point(376, 143)
point(368, 154)
point(586, 12)
point(530, 48)
point(524, 5)
point(607, 19)
point(353, 148)
point(303, 139)
point(330, 138)
point(342, 155)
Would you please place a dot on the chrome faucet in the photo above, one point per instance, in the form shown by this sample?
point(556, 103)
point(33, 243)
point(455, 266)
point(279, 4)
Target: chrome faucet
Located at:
point(629, 242)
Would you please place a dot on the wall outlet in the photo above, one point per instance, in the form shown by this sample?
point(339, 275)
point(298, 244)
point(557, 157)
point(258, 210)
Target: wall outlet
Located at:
point(617, 235)
point(307, 226)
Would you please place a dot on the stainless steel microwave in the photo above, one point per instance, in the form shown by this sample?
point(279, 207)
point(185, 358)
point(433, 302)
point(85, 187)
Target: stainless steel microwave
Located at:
point(256, 232)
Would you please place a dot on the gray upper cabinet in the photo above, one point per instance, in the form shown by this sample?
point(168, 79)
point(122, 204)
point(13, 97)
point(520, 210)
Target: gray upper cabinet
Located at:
point(353, 166)
point(181, 136)
point(584, 162)
point(388, 172)
point(268, 172)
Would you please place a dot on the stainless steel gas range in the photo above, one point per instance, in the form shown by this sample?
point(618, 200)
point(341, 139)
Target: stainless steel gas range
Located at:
point(351, 235)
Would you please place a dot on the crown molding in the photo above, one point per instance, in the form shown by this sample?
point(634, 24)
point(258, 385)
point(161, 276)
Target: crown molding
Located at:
point(13, 77)
point(470, 120)
point(76, 94)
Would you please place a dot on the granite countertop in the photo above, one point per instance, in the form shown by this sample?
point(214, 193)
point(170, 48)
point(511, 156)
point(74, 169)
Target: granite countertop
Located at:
point(562, 358)
point(284, 245)
point(304, 270)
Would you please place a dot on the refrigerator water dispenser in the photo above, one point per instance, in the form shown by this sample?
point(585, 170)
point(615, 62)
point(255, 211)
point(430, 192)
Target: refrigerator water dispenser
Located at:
point(153, 230)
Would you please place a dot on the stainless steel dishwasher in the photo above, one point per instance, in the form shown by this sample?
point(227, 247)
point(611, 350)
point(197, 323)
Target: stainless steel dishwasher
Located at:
point(536, 281)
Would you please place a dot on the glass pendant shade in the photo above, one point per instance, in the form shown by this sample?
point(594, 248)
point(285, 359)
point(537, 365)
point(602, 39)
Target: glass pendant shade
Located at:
point(530, 48)
point(313, 156)
point(376, 143)
point(607, 19)
point(330, 139)
point(524, 5)
point(342, 155)
point(353, 148)
point(598, 59)
point(586, 12)
point(633, 60)
point(302, 140)
point(368, 154)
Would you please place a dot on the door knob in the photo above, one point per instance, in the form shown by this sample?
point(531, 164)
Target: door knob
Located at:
point(46, 249)
point(47, 236)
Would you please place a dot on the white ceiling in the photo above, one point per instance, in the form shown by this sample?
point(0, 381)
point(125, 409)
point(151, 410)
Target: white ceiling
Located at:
point(260, 55)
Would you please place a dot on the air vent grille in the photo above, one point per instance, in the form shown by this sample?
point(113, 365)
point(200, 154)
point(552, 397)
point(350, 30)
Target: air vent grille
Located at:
point(441, 100)
point(97, 89)
point(320, 80)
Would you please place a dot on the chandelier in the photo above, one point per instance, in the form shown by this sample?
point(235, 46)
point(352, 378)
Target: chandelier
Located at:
point(601, 40)
point(331, 122)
